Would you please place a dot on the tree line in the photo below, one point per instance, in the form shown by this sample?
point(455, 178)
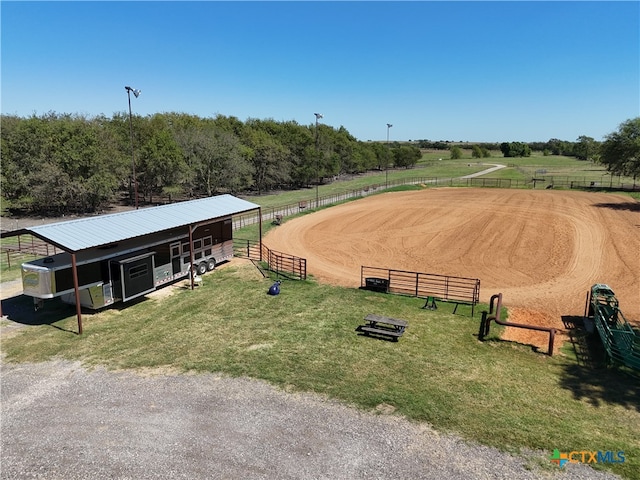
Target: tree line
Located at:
point(619, 151)
point(61, 163)
point(584, 148)
point(57, 164)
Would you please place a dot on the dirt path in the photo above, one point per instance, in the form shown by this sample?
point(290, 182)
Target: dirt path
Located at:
point(542, 249)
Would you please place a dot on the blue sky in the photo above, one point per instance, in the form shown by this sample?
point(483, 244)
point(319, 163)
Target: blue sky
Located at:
point(450, 70)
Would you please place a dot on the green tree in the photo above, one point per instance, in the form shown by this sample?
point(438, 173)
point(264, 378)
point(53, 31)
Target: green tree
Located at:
point(620, 151)
point(268, 158)
point(559, 147)
point(406, 156)
point(456, 152)
point(215, 158)
point(586, 148)
point(515, 149)
point(476, 152)
point(73, 150)
point(365, 157)
point(161, 165)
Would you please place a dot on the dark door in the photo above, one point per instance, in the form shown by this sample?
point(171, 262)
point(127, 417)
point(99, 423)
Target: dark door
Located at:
point(175, 258)
point(136, 274)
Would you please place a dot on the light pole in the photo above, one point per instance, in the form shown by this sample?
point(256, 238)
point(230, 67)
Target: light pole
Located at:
point(133, 161)
point(318, 117)
point(386, 160)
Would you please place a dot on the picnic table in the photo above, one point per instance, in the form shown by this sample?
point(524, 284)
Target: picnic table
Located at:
point(384, 326)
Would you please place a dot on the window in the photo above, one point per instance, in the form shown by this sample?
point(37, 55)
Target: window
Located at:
point(207, 241)
point(197, 244)
point(138, 271)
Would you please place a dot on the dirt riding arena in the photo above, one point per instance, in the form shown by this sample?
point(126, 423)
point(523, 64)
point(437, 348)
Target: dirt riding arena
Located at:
point(542, 249)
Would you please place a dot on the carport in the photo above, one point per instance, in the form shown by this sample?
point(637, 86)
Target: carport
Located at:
point(87, 239)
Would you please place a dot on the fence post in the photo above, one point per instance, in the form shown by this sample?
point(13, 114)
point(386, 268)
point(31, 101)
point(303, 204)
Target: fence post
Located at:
point(552, 335)
point(484, 330)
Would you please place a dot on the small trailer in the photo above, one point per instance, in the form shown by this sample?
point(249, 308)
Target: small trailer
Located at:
point(120, 257)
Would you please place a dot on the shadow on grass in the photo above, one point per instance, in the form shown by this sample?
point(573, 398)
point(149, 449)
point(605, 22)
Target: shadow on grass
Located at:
point(20, 310)
point(586, 344)
point(591, 379)
point(528, 346)
point(378, 337)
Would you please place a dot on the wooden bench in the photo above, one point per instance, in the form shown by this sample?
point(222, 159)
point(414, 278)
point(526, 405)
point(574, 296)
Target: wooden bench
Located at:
point(385, 326)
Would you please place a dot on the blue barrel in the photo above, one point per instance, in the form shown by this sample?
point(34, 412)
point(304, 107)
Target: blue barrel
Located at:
point(274, 289)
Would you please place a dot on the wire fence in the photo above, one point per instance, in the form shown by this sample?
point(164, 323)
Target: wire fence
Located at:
point(543, 182)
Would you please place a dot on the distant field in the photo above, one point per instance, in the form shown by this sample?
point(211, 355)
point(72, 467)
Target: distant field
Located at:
point(437, 164)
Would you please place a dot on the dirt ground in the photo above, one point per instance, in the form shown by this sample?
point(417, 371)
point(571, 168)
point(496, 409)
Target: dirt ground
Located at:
point(542, 249)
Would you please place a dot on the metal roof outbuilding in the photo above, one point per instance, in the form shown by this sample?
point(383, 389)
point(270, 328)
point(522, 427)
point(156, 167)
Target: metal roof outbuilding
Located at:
point(83, 233)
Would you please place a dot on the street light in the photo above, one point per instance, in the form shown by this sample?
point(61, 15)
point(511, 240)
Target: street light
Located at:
point(386, 160)
point(318, 117)
point(133, 161)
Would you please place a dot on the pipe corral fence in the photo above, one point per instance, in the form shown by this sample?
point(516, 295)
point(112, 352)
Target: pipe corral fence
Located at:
point(494, 315)
point(620, 340)
point(280, 263)
point(431, 287)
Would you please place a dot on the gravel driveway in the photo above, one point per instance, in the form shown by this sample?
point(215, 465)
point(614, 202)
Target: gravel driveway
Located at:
point(62, 421)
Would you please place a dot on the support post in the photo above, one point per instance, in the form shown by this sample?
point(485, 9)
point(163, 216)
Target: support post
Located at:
point(552, 336)
point(76, 289)
point(192, 272)
point(260, 229)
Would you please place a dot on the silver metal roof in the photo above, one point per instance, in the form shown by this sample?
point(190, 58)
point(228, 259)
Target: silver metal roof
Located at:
point(83, 233)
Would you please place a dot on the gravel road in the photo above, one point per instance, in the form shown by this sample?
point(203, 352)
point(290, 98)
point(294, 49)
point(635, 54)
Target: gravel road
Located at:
point(62, 421)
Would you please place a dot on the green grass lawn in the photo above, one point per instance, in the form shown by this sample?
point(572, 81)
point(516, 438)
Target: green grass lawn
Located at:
point(10, 266)
point(439, 165)
point(497, 393)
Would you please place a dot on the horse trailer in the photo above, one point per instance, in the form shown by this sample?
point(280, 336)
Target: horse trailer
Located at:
point(146, 250)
